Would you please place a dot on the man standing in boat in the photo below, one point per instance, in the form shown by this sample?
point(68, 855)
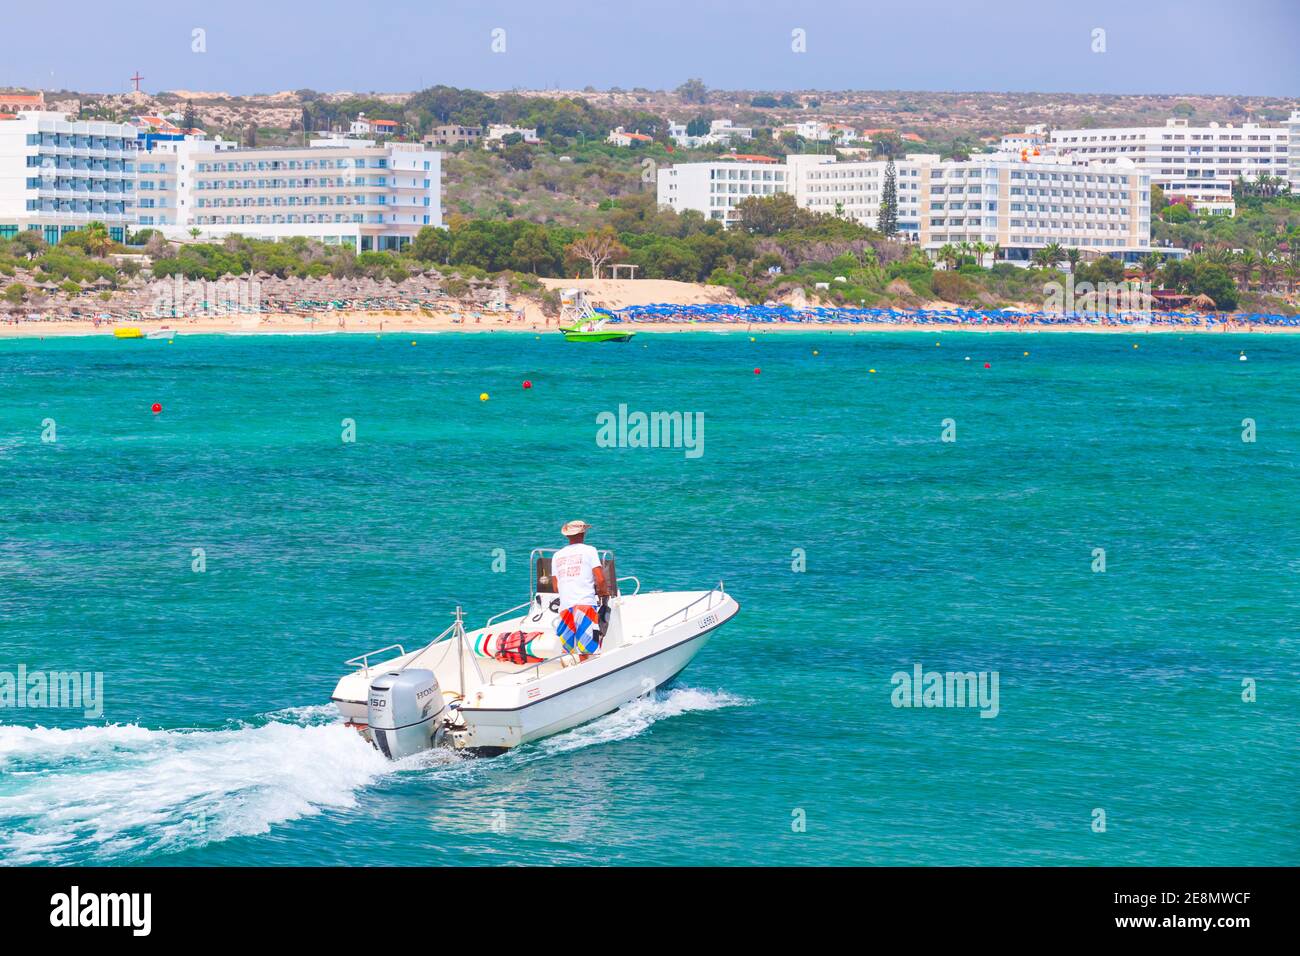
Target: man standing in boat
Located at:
point(579, 580)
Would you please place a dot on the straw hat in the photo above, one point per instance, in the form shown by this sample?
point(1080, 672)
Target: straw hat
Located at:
point(574, 527)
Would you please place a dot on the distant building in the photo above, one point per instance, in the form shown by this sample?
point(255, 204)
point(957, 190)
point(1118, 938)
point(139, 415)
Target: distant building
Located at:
point(721, 133)
point(1211, 206)
point(164, 188)
point(58, 174)
point(1198, 161)
point(22, 103)
point(154, 129)
point(715, 188)
point(452, 135)
point(498, 132)
point(619, 137)
point(1293, 150)
point(1032, 138)
point(362, 126)
point(995, 199)
point(371, 196)
point(814, 131)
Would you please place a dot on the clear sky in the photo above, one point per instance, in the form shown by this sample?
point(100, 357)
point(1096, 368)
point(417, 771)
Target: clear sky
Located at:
point(260, 46)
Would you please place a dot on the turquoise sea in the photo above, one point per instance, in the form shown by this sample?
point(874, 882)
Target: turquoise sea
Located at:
point(1119, 691)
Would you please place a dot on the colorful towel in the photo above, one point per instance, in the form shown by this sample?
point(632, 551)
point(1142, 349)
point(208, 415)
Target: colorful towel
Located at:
point(576, 628)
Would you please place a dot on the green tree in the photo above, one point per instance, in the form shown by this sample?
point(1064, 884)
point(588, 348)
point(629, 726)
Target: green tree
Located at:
point(431, 245)
point(517, 156)
point(532, 251)
point(96, 240)
point(693, 91)
point(887, 222)
point(30, 242)
point(699, 126)
point(1214, 281)
point(769, 215)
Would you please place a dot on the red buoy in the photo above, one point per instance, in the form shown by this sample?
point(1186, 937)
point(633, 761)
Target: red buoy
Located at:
point(986, 365)
point(527, 384)
point(757, 371)
point(156, 408)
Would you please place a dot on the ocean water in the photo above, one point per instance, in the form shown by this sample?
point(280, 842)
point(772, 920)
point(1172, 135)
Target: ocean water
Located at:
point(1118, 691)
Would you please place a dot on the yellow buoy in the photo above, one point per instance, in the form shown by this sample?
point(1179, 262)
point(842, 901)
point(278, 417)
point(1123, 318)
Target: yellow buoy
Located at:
point(872, 371)
point(815, 352)
point(483, 396)
point(1135, 345)
point(412, 341)
point(1026, 353)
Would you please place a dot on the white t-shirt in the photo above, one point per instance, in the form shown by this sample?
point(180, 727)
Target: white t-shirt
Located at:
point(571, 566)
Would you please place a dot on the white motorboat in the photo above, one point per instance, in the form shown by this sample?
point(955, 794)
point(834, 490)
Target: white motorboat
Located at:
point(509, 682)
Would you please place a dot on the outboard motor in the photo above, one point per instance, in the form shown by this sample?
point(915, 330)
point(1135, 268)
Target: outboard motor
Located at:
point(404, 712)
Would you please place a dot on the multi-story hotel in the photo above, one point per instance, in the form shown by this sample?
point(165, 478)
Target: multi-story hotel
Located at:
point(1293, 151)
point(57, 175)
point(373, 197)
point(1018, 205)
point(1199, 162)
point(715, 188)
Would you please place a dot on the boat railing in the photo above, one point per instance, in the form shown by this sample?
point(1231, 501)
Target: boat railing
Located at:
point(685, 612)
point(363, 660)
point(631, 577)
point(496, 617)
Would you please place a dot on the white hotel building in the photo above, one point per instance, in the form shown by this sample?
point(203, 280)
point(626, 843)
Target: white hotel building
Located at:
point(714, 188)
point(57, 175)
point(1200, 162)
point(996, 199)
point(340, 191)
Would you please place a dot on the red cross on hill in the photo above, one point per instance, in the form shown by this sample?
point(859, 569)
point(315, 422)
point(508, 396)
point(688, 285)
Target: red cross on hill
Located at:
point(136, 80)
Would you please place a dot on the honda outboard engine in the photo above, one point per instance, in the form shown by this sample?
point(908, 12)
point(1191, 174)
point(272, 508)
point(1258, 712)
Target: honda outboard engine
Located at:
point(405, 712)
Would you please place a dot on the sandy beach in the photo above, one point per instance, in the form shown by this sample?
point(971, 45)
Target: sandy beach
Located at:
point(526, 316)
point(399, 323)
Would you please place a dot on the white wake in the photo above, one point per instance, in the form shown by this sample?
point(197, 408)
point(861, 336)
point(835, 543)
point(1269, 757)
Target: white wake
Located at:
point(108, 794)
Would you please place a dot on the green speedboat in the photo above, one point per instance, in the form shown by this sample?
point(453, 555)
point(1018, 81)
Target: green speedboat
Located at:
point(596, 329)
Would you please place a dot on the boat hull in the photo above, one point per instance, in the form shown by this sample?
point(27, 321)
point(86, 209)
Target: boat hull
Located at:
point(601, 694)
point(598, 336)
point(652, 639)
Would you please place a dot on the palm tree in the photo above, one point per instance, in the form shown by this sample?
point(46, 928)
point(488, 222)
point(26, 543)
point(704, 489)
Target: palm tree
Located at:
point(1219, 256)
point(97, 240)
point(1049, 256)
point(949, 255)
point(1269, 267)
point(981, 250)
point(1292, 270)
point(1150, 265)
point(1074, 255)
point(1243, 265)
